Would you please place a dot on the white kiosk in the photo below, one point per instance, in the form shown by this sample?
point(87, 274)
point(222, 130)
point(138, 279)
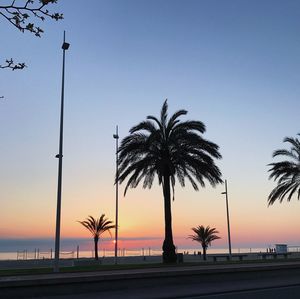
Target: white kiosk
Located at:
point(281, 248)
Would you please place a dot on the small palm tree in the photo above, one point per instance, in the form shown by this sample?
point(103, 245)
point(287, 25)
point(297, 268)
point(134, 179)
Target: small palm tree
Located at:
point(168, 148)
point(287, 173)
point(204, 235)
point(97, 227)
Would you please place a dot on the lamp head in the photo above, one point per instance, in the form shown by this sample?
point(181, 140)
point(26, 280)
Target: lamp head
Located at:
point(116, 136)
point(65, 46)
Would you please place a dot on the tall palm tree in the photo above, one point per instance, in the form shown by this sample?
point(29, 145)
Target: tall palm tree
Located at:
point(168, 148)
point(204, 235)
point(287, 173)
point(97, 227)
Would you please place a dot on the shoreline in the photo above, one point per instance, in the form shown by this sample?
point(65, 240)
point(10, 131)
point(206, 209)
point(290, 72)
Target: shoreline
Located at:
point(154, 259)
point(38, 254)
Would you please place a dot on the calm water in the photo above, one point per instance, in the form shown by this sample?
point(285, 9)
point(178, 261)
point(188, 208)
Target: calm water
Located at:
point(12, 249)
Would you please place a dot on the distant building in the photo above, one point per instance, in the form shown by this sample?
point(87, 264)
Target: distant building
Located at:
point(281, 248)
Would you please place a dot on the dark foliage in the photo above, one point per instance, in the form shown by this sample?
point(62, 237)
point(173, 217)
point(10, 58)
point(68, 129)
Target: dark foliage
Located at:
point(168, 149)
point(21, 15)
point(97, 227)
point(204, 235)
point(286, 173)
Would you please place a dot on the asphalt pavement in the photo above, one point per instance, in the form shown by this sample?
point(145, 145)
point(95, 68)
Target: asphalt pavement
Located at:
point(168, 282)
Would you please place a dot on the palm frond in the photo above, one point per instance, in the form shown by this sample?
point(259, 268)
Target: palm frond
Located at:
point(286, 173)
point(97, 226)
point(204, 235)
point(144, 125)
point(164, 114)
point(173, 147)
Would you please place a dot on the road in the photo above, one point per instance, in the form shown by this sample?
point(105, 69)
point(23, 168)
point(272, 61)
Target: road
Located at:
point(268, 282)
point(292, 292)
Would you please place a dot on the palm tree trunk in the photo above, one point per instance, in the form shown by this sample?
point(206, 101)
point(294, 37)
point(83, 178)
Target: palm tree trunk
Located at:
point(204, 253)
point(169, 254)
point(96, 247)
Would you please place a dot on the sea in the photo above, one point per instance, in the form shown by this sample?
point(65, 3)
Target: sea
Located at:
point(24, 249)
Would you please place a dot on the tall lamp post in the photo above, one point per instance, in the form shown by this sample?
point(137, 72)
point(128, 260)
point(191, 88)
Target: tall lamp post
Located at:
point(228, 223)
point(65, 46)
point(116, 136)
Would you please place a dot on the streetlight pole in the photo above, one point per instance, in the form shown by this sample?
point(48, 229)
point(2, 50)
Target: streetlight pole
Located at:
point(228, 223)
point(116, 136)
point(65, 46)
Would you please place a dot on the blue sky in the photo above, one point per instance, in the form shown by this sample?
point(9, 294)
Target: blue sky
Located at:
point(234, 65)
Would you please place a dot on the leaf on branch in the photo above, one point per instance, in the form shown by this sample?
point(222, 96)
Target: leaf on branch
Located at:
point(9, 64)
point(24, 17)
point(19, 15)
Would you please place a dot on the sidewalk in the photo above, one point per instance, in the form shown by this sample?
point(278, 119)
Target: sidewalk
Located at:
point(109, 275)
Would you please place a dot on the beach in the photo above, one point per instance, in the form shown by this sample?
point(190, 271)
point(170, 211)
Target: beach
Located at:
point(154, 259)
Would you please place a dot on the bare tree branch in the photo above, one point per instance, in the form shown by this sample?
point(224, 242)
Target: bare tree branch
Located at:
point(19, 15)
point(9, 63)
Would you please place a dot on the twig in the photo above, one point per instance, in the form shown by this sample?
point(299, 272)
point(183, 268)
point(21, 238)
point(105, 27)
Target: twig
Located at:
point(19, 16)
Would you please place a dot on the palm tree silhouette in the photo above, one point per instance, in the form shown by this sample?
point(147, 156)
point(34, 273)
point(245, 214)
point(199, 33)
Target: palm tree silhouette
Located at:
point(287, 173)
point(204, 235)
point(168, 148)
point(97, 227)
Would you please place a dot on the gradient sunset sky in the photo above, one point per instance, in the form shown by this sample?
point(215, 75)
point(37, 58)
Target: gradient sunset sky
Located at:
point(235, 65)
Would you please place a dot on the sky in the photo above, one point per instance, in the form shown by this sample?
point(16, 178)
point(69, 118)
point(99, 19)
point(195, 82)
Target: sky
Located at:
point(232, 64)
